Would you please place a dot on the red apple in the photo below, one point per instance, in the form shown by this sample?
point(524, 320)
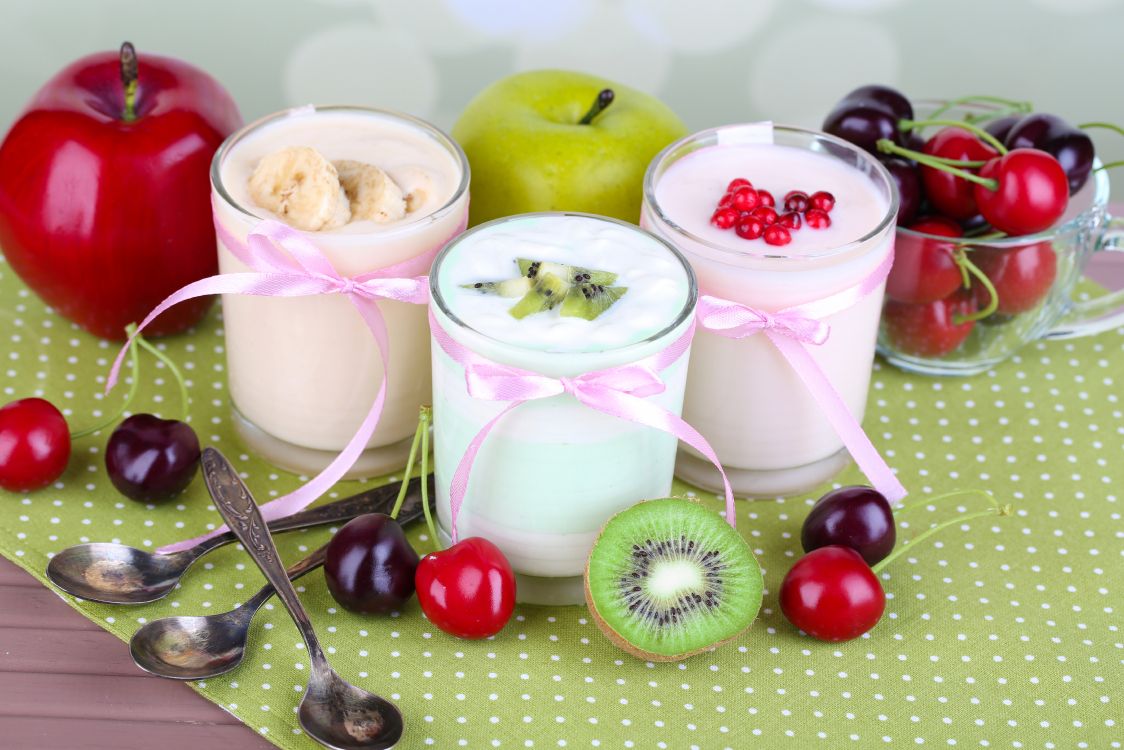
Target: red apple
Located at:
point(105, 198)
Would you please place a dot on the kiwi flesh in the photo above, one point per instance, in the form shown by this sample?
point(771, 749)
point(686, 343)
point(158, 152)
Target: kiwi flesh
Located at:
point(547, 292)
point(669, 578)
point(590, 300)
point(516, 287)
point(572, 274)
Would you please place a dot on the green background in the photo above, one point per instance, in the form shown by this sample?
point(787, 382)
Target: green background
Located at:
point(1001, 633)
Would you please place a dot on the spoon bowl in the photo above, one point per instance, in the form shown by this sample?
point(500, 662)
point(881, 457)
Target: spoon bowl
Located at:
point(116, 573)
point(192, 648)
point(342, 716)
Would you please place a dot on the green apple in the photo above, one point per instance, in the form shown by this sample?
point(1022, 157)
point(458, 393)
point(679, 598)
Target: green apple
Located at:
point(553, 140)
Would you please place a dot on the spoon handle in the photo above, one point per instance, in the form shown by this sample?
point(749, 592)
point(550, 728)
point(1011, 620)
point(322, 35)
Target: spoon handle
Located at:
point(237, 507)
point(377, 500)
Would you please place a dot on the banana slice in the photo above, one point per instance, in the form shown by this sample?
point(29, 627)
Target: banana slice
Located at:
point(302, 187)
point(373, 194)
point(417, 184)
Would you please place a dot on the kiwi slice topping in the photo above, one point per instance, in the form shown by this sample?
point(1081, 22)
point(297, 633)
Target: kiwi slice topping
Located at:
point(589, 300)
point(546, 293)
point(670, 578)
point(516, 287)
point(544, 285)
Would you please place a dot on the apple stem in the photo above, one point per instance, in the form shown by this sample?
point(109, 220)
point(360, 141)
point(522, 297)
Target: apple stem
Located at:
point(129, 80)
point(604, 99)
point(185, 400)
point(134, 371)
point(409, 467)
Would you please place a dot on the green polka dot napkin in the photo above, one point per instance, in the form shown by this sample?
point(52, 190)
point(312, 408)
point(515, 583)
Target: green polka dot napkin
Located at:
point(1002, 633)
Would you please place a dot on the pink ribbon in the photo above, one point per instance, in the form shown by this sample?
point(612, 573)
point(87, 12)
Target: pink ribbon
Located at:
point(792, 331)
point(285, 263)
point(617, 391)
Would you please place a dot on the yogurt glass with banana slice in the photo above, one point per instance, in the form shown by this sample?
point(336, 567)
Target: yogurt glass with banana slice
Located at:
point(561, 295)
point(371, 189)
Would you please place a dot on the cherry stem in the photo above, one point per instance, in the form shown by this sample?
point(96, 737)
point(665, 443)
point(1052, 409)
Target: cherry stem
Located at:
point(1110, 165)
point(1105, 125)
point(409, 470)
point(996, 509)
point(903, 507)
point(129, 80)
point(962, 163)
point(994, 114)
point(976, 130)
point(425, 417)
point(134, 370)
point(185, 400)
point(1016, 106)
point(968, 266)
point(604, 99)
point(886, 146)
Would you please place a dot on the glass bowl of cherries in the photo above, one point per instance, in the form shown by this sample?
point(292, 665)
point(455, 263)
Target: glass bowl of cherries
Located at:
point(1001, 208)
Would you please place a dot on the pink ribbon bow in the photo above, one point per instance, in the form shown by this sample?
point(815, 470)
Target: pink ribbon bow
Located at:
point(792, 330)
point(285, 263)
point(617, 391)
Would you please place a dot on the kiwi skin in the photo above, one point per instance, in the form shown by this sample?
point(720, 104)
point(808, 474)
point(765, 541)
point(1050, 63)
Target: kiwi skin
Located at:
point(631, 648)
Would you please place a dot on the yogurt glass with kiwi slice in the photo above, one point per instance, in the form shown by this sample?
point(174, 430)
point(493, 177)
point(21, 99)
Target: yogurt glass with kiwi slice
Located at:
point(560, 295)
point(370, 189)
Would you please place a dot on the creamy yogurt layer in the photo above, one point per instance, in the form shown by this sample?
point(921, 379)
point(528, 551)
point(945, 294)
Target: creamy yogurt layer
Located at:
point(658, 285)
point(690, 188)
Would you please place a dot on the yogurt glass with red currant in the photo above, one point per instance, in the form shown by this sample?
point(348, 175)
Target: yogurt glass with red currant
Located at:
point(742, 395)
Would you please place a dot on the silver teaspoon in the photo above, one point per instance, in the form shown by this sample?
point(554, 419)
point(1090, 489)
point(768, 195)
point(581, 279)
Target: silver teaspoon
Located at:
point(333, 712)
point(196, 648)
point(118, 574)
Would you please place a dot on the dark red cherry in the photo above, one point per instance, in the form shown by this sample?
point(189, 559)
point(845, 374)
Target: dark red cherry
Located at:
point(908, 180)
point(863, 124)
point(856, 517)
point(890, 98)
point(1002, 126)
point(1071, 147)
point(369, 565)
point(151, 459)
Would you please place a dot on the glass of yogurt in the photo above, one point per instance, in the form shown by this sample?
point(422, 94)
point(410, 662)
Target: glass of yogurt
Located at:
point(371, 189)
point(552, 470)
point(742, 395)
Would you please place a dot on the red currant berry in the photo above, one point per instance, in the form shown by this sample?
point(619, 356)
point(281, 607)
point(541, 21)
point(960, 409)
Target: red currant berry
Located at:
point(777, 235)
point(750, 228)
point(745, 199)
point(726, 201)
point(724, 218)
point(817, 218)
point(790, 219)
point(34, 444)
point(766, 198)
point(796, 200)
point(822, 200)
point(738, 182)
point(766, 214)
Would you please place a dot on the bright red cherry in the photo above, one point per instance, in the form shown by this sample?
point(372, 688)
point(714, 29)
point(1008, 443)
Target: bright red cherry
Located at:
point(750, 228)
point(817, 219)
point(832, 594)
point(767, 214)
point(790, 220)
point(745, 199)
point(933, 329)
point(1033, 192)
point(467, 590)
point(822, 200)
point(724, 218)
point(766, 198)
point(1022, 276)
point(775, 234)
point(34, 444)
point(951, 195)
point(925, 268)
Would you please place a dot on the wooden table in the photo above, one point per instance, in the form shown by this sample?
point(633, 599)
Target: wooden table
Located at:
point(66, 684)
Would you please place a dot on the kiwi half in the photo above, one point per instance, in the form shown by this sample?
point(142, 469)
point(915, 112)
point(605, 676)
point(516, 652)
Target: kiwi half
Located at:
point(669, 578)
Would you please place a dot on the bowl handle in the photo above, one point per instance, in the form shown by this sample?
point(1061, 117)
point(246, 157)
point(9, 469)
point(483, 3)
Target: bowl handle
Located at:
point(1101, 313)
